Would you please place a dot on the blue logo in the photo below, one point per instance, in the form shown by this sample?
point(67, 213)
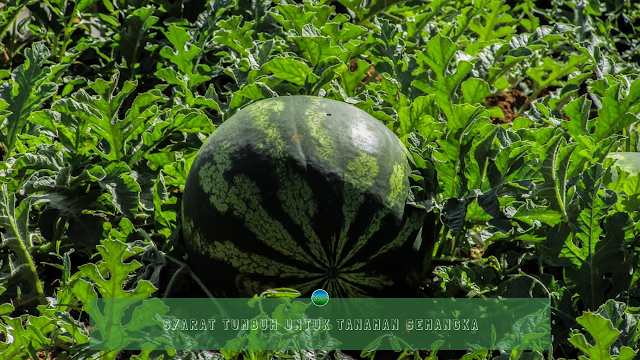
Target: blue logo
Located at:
point(320, 297)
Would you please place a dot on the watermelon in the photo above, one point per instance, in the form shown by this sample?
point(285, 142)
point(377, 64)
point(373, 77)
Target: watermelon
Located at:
point(307, 193)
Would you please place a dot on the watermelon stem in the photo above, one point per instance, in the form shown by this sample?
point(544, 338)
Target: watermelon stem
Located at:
point(442, 242)
point(183, 267)
point(173, 280)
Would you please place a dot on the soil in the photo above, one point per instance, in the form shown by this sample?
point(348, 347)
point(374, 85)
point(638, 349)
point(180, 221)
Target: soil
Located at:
point(510, 102)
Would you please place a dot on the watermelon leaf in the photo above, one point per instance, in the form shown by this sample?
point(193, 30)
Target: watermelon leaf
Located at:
point(603, 334)
point(419, 116)
point(594, 254)
point(620, 106)
point(17, 238)
point(555, 157)
point(291, 70)
point(594, 250)
point(165, 209)
point(493, 22)
point(625, 319)
point(101, 114)
point(438, 55)
point(232, 32)
point(25, 92)
point(627, 161)
point(123, 187)
point(179, 118)
point(280, 293)
point(185, 55)
point(111, 273)
point(135, 32)
point(475, 90)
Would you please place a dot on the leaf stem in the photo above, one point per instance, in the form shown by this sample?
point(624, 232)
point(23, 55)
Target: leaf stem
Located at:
point(184, 266)
point(442, 242)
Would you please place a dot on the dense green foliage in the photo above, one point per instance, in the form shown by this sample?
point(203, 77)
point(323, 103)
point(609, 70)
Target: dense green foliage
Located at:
point(521, 118)
point(306, 193)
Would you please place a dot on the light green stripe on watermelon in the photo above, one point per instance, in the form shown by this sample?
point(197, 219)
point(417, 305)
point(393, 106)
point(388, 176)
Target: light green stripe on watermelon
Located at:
point(361, 174)
point(413, 223)
point(211, 177)
point(323, 143)
point(246, 262)
point(247, 203)
point(371, 230)
point(397, 184)
point(196, 239)
point(261, 112)
point(244, 199)
point(298, 202)
point(252, 263)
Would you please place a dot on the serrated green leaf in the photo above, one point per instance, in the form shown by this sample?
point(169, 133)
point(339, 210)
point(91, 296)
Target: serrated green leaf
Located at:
point(177, 172)
point(10, 12)
point(134, 33)
point(596, 250)
point(624, 179)
point(550, 71)
point(476, 160)
point(236, 36)
point(290, 70)
point(124, 189)
point(145, 314)
point(292, 17)
point(111, 284)
point(419, 116)
point(314, 47)
point(100, 114)
point(16, 237)
point(184, 54)
point(438, 55)
point(603, 333)
point(578, 112)
point(463, 127)
point(83, 290)
point(475, 90)
point(25, 92)
point(627, 161)
point(542, 214)
point(366, 10)
point(496, 22)
point(350, 80)
point(6, 309)
point(556, 158)
point(618, 111)
point(22, 337)
point(624, 320)
point(165, 209)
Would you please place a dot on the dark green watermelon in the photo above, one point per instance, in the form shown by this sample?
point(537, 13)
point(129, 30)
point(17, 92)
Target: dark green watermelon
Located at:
point(308, 193)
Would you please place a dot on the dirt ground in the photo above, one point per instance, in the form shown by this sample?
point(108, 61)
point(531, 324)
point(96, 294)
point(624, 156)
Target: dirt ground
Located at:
point(509, 102)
